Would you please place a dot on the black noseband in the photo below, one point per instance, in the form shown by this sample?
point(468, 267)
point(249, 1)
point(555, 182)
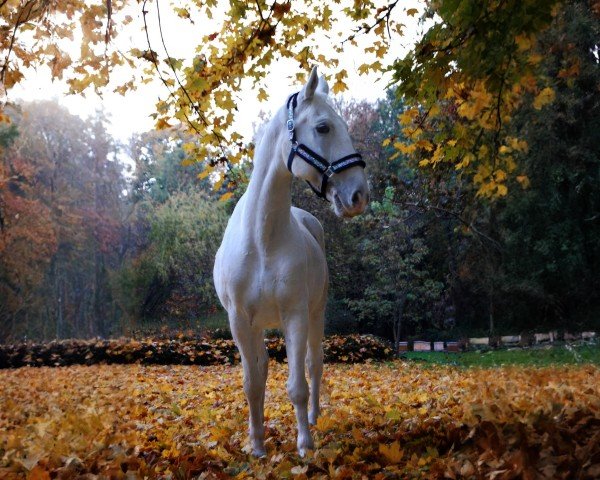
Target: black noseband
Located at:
point(311, 157)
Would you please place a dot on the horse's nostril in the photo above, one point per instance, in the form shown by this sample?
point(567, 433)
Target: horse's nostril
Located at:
point(356, 198)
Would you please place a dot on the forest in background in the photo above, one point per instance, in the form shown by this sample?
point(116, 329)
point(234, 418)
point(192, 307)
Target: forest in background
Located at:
point(87, 250)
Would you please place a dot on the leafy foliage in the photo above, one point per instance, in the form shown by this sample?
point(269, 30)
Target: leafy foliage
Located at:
point(402, 290)
point(60, 188)
point(465, 80)
point(497, 97)
point(392, 420)
point(172, 275)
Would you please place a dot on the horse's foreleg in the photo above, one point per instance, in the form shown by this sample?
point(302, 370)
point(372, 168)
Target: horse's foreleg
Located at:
point(296, 335)
point(314, 363)
point(255, 362)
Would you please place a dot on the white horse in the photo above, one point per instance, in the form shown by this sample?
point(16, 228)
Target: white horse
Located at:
point(270, 271)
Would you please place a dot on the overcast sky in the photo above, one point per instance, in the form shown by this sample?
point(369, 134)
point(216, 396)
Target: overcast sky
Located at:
point(131, 113)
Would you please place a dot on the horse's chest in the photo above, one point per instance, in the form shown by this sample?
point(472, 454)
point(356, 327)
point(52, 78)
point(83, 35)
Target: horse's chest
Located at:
point(263, 279)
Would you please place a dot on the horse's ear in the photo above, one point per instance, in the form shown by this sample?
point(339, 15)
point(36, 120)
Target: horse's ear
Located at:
point(313, 82)
point(323, 87)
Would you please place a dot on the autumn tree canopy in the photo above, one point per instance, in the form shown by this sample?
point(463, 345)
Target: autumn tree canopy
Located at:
point(462, 82)
point(85, 250)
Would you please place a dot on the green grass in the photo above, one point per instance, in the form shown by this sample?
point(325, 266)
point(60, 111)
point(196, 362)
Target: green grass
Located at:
point(539, 357)
point(215, 320)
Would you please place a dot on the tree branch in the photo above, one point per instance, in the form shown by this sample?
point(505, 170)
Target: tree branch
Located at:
point(21, 19)
point(457, 216)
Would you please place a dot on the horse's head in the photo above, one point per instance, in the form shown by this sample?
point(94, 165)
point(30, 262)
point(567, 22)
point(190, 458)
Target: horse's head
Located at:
point(320, 151)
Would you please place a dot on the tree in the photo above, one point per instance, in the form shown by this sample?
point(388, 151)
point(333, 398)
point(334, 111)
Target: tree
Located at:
point(161, 168)
point(551, 229)
point(464, 79)
point(171, 276)
point(60, 193)
point(400, 289)
point(27, 237)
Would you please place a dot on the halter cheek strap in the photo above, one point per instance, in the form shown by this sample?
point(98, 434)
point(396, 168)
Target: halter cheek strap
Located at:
point(326, 169)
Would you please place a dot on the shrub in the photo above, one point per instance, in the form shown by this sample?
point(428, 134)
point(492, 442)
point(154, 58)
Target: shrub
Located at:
point(182, 351)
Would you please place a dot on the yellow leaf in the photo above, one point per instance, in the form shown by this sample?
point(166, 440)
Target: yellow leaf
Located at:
point(545, 97)
point(339, 86)
point(425, 144)
point(467, 110)
point(502, 190)
point(412, 12)
point(523, 180)
point(363, 69)
point(381, 51)
point(325, 423)
point(534, 59)
point(404, 148)
point(162, 124)
point(500, 175)
point(392, 453)
point(262, 95)
point(408, 116)
point(226, 196)
point(386, 142)
point(523, 42)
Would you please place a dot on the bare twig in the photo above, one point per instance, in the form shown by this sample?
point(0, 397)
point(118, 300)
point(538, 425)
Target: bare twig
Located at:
point(108, 21)
point(24, 16)
point(153, 58)
point(457, 216)
point(387, 12)
point(193, 105)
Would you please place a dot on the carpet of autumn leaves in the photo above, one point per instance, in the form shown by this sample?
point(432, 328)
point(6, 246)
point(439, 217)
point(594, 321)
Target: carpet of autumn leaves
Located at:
point(380, 420)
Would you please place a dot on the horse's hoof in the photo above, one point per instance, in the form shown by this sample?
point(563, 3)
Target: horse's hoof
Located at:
point(259, 452)
point(305, 446)
point(302, 452)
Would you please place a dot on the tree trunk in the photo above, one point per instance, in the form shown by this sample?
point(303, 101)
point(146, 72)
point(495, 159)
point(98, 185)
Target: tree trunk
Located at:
point(491, 311)
point(398, 315)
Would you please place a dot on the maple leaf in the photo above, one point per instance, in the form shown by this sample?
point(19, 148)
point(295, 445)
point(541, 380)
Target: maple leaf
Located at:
point(546, 96)
point(392, 453)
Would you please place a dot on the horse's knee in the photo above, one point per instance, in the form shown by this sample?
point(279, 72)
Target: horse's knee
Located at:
point(298, 392)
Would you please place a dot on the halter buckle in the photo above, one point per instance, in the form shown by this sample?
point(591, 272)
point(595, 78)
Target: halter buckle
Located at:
point(329, 172)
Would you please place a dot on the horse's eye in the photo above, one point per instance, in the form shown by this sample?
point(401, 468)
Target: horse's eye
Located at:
point(323, 128)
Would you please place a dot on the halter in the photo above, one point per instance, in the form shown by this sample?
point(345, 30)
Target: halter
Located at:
point(311, 157)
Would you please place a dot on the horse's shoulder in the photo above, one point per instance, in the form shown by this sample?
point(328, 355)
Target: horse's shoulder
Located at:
point(311, 223)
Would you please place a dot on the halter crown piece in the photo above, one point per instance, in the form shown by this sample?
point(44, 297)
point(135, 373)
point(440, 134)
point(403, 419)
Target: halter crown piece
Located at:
point(311, 157)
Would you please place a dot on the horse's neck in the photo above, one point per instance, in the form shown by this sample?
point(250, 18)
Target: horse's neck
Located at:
point(268, 203)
